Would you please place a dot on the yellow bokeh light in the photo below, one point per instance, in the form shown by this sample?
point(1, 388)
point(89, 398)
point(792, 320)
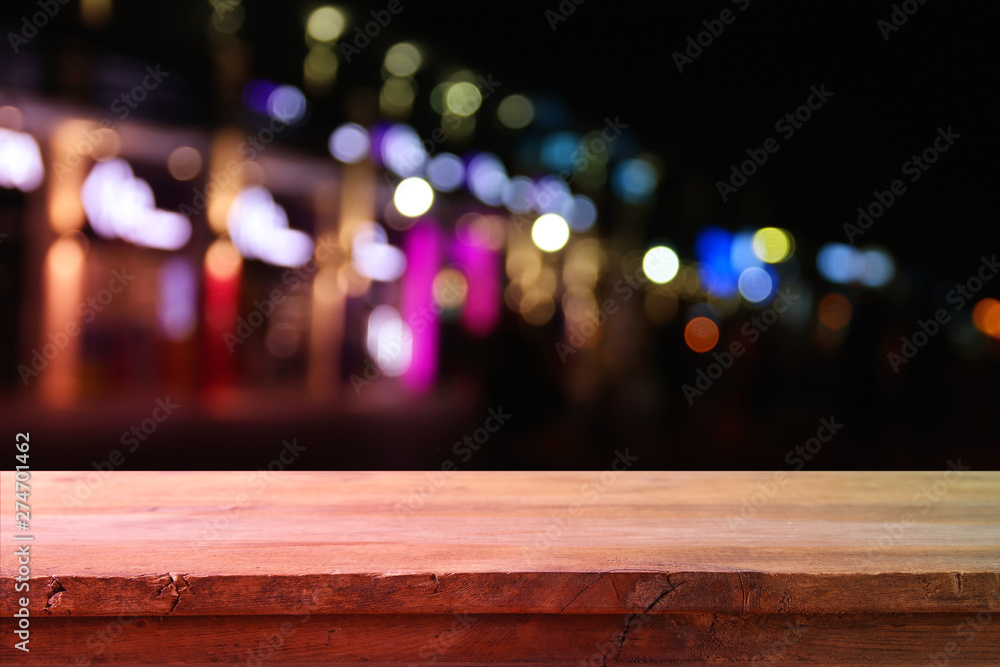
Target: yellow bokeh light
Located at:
point(325, 24)
point(399, 92)
point(321, 61)
point(403, 59)
point(516, 111)
point(537, 307)
point(772, 245)
point(463, 99)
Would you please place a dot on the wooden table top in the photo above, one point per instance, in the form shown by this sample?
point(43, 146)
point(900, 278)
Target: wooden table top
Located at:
point(197, 543)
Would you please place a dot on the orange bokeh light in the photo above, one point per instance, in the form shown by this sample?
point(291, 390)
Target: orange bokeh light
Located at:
point(835, 311)
point(986, 317)
point(701, 334)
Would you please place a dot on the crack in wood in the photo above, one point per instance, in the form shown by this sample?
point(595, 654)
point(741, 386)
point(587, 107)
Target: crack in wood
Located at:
point(628, 621)
point(585, 588)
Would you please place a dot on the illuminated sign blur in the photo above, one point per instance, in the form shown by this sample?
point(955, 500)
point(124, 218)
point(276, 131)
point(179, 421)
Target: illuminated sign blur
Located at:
point(119, 205)
point(259, 229)
point(20, 161)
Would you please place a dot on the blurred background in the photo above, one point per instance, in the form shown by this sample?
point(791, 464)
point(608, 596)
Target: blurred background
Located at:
point(404, 234)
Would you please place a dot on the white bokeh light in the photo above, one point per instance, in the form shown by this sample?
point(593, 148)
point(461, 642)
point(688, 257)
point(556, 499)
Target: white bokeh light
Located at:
point(550, 232)
point(413, 197)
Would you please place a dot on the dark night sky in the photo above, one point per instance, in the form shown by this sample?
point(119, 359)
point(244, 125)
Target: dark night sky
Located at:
point(609, 59)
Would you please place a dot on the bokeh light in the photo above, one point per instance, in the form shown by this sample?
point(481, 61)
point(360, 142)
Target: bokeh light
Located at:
point(552, 195)
point(223, 260)
point(446, 172)
point(349, 143)
point(398, 94)
point(701, 334)
point(879, 268)
point(559, 150)
point(660, 264)
point(373, 257)
point(986, 317)
point(402, 59)
point(550, 232)
point(634, 180)
point(518, 194)
point(287, 104)
point(714, 249)
point(450, 288)
point(835, 311)
point(320, 67)
point(582, 214)
point(20, 160)
point(403, 151)
point(840, 263)
point(772, 245)
point(390, 341)
point(487, 178)
point(515, 112)
point(325, 24)
point(413, 197)
point(184, 163)
point(463, 99)
point(755, 284)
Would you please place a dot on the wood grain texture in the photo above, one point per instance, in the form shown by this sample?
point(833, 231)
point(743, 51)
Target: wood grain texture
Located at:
point(241, 543)
point(550, 639)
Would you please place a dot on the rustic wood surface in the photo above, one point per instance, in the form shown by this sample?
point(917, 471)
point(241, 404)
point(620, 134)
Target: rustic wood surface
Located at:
point(655, 567)
point(550, 639)
point(144, 542)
